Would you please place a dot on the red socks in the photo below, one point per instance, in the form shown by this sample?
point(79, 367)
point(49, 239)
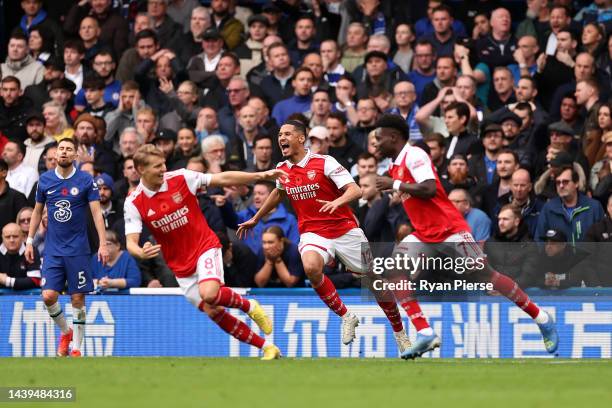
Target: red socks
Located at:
point(328, 294)
point(228, 298)
point(510, 289)
point(238, 329)
point(393, 314)
point(413, 310)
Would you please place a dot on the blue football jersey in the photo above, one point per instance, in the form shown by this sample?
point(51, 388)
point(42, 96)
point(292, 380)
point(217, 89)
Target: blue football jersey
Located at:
point(67, 203)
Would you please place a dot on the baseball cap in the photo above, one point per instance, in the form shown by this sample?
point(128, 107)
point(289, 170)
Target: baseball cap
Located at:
point(509, 115)
point(62, 83)
point(554, 235)
point(562, 159)
point(165, 134)
point(104, 180)
point(375, 54)
point(258, 18)
point(491, 127)
point(561, 127)
point(211, 34)
point(319, 132)
point(35, 115)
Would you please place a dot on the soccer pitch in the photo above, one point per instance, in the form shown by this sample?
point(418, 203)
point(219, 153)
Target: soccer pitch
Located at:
point(316, 383)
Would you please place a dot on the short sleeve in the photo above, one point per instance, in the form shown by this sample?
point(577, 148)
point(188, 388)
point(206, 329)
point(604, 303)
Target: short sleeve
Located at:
point(93, 193)
point(196, 180)
point(337, 173)
point(279, 185)
point(41, 194)
point(133, 221)
point(419, 165)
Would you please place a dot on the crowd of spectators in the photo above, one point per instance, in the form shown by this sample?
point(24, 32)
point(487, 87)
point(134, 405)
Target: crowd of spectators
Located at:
point(510, 99)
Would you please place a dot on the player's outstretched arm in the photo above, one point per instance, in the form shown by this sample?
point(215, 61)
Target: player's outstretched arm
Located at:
point(233, 178)
point(271, 202)
point(425, 189)
point(34, 223)
point(148, 251)
point(351, 193)
point(96, 212)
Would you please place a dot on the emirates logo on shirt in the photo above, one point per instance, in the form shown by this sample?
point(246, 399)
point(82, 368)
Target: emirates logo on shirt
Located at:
point(303, 192)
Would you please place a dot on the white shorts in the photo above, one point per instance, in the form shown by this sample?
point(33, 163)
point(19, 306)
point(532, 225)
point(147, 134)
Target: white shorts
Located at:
point(466, 244)
point(210, 267)
point(347, 247)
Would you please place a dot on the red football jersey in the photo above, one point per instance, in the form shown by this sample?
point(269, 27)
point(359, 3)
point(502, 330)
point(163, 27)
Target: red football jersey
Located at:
point(433, 219)
point(317, 177)
point(173, 216)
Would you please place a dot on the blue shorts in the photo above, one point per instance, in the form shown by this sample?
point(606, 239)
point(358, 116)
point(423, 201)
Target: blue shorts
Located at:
point(76, 270)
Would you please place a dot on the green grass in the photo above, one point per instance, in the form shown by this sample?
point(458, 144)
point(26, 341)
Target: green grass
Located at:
point(317, 383)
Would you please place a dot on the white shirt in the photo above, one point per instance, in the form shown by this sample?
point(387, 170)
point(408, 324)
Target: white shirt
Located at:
point(76, 78)
point(22, 178)
point(211, 64)
point(34, 151)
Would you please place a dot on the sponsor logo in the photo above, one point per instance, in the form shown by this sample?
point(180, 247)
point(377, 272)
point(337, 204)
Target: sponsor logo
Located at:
point(339, 170)
point(311, 174)
point(51, 191)
point(172, 221)
point(150, 213)
point(303, 192)
point(63, 212)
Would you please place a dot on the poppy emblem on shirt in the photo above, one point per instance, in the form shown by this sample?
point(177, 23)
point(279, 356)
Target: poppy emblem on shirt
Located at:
point(74, 191)
point(64, 191)
point(177, 198)
point(311, 174)
point(164, 207)
point(298, 180)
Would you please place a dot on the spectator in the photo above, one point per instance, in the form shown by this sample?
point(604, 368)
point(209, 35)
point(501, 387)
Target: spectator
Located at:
point(314, 62)
point(130, 179)
point(482, 26)
point(279, 217)
point(456, 118)
point(89, 34)
point(367, 114)
point(74, 54)
point(238, 92)
point(208, 125)
point(41, 44)
point(62, 92)
point(559, 19)
point(185, 107)
point(20, 176)
point(561, 138)
point(522, 197)
point(250, 52)
point(342, 148)
point(113, 27)
point(320, 108)
point(569, 113)
point(17, 274)
point(91, 150)
point(572, 213)
point(332, 67)
point(304, 41)
point(239, 263)
point(404, 99)
point(279, 261)
point(129, 141)
point(124, 116)
point(247, 133)
point(457, 175)
point(277, 86)
point(158, 89)
point(35, 18)
point(437, 152)
point(345, 92)
point(104, 67)
point(213, 151)
point(187, 146)
point(165, 140)
point(302, 83)
point(507, 164)
point(423, 70)
point(121, 271)
point(366, 164)
point(601, 232)
point(443, 37)
point(373, 210)
point(261, 70)
point(446, 75)
point(168, 32)
point(11, 200)
point(425, 25)
point(560, 266)
point(601, 173)
point(479, 222)
point(503, 89)
point(318, 138)
point(191, 43)
point(556, 159)
point(37, 140)
point(230, 28)
point(181, 10)
point(483, 165)
point(355, 47)
point(404, 54)
point(146, 123)
point(587, 96)
point(24, 216)
point(41, 93)
point(13, 109)
point(94, 96)
point(511, 248)
point(525, 57)
point(262, 154)
point(497, 48)
point(146, 45)
point(19, 63)
point(202, 67)
point(105, 185)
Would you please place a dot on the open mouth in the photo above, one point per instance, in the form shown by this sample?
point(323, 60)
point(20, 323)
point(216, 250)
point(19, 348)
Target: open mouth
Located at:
point(284, 147)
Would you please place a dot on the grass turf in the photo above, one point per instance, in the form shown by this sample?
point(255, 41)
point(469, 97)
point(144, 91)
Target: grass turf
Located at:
point(316, 383)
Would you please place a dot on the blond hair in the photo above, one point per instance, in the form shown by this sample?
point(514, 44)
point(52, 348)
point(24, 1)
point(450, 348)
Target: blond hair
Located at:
point(144, 153)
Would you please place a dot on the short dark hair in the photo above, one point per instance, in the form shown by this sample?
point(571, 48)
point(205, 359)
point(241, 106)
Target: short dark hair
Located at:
point(72, 141)
point(232, 56)
point(395, 122)
point(147, 34)
point(571, 32)
point(299, 117)
point(3, 165)
point(75, 44)
point(261, 136)
point(18, 34)
point(307, 17)
point(443, 7)
point(435, 137)
point(265, 183)
point(300, 70)
point(339, 116)
point(462, 109)
point(349, 78)
point(11, 78)
point(298, 125)
point(19, 144)
point(426, 42)
point(511, 152)
point(105, 52)
point(575, 175)
point(524, 106)
point(130, 85)
point(94, 82)
point(277, 45)
point(366, 156)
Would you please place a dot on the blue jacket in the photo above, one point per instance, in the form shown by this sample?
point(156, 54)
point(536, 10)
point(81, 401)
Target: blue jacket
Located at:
point(125, 268)
point(296, 104)
point(280, 217)
point(554, 216)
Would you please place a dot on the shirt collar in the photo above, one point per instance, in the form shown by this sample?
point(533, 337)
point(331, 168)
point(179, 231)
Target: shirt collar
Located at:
point(4, 251)
point(59, 176)
point(400, 157)
point(151, 193)
point(302, 163)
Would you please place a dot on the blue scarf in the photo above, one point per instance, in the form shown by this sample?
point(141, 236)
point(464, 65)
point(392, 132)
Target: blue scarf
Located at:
point(39, 18)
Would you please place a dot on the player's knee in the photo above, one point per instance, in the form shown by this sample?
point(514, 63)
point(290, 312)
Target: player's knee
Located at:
point(49, 297)
point(209, 295)
point(78, 300)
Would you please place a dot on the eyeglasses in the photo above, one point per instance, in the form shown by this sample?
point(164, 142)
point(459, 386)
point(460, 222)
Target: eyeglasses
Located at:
point(562, 182)
point(235, 90)
point(24, 220)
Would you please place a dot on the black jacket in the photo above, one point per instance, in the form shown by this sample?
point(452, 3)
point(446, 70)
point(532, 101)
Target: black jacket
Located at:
point(12, 118)
point(11, 202)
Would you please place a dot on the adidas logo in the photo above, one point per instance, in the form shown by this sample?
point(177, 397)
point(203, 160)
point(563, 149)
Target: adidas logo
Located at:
point(150, 213)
